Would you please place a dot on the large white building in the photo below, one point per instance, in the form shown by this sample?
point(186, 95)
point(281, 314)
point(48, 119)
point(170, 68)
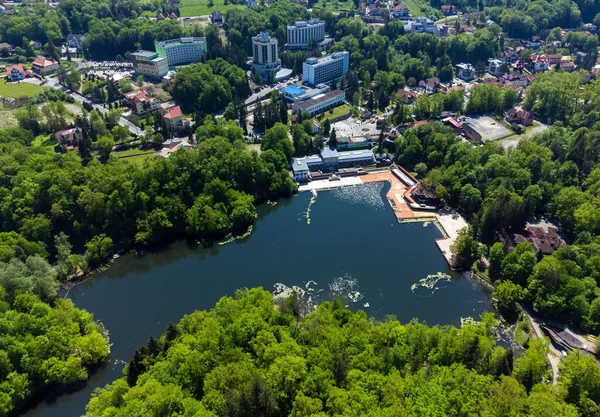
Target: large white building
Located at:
point(265, 54)
point(330, 160)
point(325, 69)
point(182, 51)
point(150, 63)
point(303, 34)
point(320, 102)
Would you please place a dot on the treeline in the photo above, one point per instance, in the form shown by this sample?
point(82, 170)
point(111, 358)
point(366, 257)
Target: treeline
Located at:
point(202, 193)
point(246, 358)
point(45, 344)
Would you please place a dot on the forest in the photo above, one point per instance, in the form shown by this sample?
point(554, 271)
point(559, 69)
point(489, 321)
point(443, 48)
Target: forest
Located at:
point(204, 193)
point(245, 357)
point(46, 344)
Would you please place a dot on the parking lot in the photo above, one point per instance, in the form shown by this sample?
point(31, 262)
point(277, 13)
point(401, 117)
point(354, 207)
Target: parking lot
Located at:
point(488, 128)
point(353, 128)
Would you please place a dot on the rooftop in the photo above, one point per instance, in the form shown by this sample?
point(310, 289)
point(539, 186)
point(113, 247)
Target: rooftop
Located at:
point(173, 113)
point(42, 61)
point(180, 41)
point(144, 53)
point(331, 57)
point(302, 105)
point(293, 90)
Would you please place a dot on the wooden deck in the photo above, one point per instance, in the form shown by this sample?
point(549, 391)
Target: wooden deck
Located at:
point(396, 197)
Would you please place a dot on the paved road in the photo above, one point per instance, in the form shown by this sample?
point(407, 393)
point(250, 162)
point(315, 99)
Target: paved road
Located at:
point(53, 82)
point(553, 355)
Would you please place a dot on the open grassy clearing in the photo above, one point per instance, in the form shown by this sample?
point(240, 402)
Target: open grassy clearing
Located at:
point(14, 90)
point(8, 118)
point(135, 156)
point(200, 7)
point(337, 112)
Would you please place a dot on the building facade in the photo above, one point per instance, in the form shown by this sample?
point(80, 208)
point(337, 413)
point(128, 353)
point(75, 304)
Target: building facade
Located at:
point(302, 34)
point(15, 72)
point(319, 103)
point(41, 63)
point(265, 54)
point(326, 69)
point(150, 64)
point(182, 51)
point(496, 67)
point(465, 72)
point(330, 160)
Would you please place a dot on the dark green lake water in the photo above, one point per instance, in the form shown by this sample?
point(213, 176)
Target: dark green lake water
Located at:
point(350, 243)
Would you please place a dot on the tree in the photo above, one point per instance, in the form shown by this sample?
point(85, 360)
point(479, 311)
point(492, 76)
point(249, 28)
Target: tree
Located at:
point(464, 249)
point(98, 248)
point(104, 146)
point(140, 81)
point(333, 139)
point(509, 295)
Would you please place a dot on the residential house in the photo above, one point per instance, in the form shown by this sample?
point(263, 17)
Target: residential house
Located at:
point(489, 22)
point(75, 40)
point(216, 18)
point(545, 239)
point(428, 24)
point(41, 63)
point(496, 67)
point(315, 127)
point(68, 139)
point(567, 64)
point(15, 72)
point(407, 97)
point(400, 12)
point(543, 62)
point(374, 9)
point(173, 119)
point(440, 30)
point(516, 79)
point(430, 85)
point(523, 117)
point(140, 102)
point(465, 72)
point(448, 9)
point(35, 44)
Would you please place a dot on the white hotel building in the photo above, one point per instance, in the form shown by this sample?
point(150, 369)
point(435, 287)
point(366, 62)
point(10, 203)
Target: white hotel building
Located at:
point(325, 69)
point(181, 51)
point(302, 34)
point(265, 56)
point(319, 103)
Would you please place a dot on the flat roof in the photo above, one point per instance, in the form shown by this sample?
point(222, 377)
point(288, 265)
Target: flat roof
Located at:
point(363, 153)
point(326, 58)
point(144, 53)
point(318, 98)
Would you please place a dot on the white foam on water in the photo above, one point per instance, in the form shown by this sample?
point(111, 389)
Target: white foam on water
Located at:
point(427, 286)
point(367, 194)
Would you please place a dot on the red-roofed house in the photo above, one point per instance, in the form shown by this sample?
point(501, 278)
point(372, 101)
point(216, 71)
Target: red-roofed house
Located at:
point(15, 72)
point(453, 123)
point(523, 117)
point(140, 102)
point(69, 139)
point(173, 118)
point(44, 64)
point(407, 97)
point(430, 84)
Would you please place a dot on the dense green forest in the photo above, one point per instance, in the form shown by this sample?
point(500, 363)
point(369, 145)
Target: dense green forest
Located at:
point(206, 192)
point(246, 357)
point(45, 343)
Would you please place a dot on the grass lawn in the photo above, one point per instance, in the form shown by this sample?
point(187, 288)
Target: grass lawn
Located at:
point(333, 6)
point(414, 6)
point(14, 90)
point(135, 156)
point(200, 7)
point(337, 112)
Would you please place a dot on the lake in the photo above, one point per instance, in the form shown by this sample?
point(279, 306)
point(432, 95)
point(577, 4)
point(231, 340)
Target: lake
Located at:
point(346, 242)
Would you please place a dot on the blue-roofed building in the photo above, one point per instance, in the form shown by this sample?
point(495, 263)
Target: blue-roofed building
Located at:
point(300, 92)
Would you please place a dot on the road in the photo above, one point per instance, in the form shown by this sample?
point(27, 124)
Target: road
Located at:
point(553, 355)
point(53, 82)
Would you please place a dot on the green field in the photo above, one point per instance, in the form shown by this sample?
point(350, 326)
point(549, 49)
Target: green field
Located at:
point(414, 6)
point(135, 156)
point(200, 7)
point(14, 90)
point(335, 6)
point(337, 112)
